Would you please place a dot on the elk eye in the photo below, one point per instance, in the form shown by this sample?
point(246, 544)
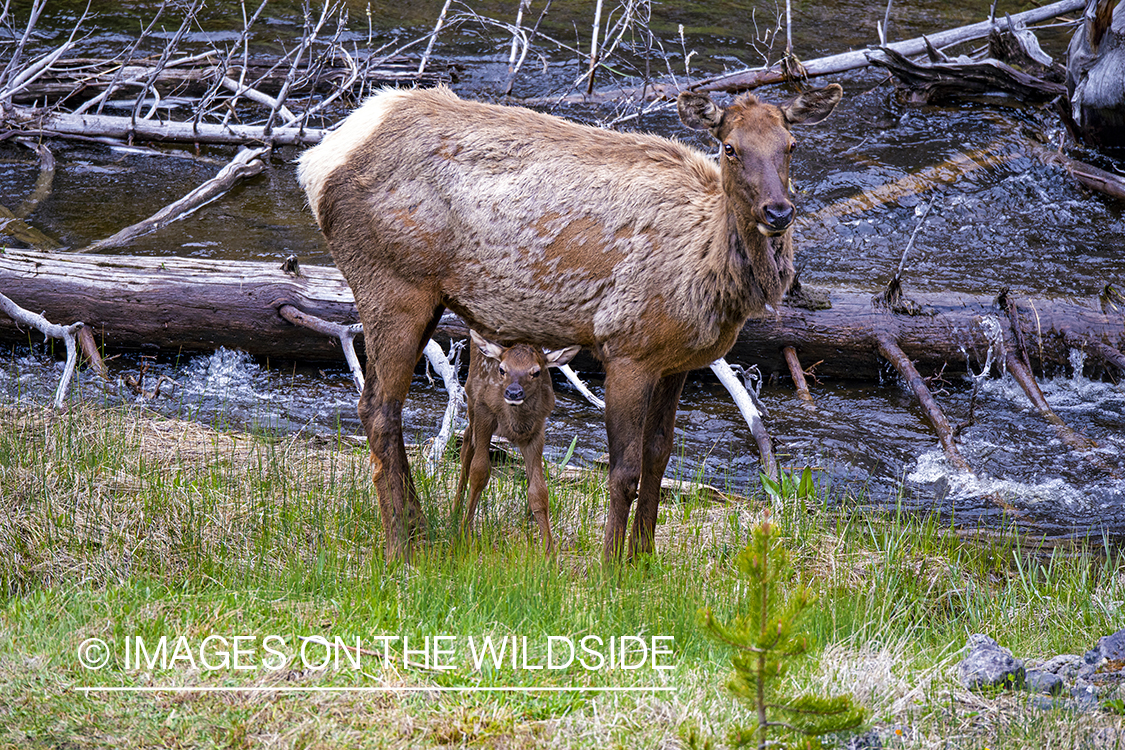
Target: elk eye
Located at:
point(728, 150)
point(535, 374)
point(792, 146)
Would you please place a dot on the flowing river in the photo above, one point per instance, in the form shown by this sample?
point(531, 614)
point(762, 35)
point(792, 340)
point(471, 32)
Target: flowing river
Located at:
point(1015, 223)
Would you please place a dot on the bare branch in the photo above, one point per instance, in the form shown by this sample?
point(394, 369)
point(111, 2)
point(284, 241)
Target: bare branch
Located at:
point(189, 18)
point(13, 66)
point(306, 42)
point(572, 376)
point(750, 413)
point(345, 333)
point(433, 36)
point(49, 329)
point(444, 367)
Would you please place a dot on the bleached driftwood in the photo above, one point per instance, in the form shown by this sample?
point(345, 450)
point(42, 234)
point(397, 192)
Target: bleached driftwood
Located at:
point(68, 334)
point(750, 413)
point(444, 367)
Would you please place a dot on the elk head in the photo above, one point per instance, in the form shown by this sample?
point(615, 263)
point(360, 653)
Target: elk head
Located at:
point(523, 368)
point(756, 145)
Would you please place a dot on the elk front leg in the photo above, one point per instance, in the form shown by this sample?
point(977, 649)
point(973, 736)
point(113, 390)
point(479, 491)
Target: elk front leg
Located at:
point(537, 496)
point(660, 426)
point(628, 391)
point(390, 366)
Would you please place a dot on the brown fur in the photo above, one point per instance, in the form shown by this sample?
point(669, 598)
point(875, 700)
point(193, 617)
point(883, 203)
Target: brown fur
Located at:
point(539, 230)
point(495, 374)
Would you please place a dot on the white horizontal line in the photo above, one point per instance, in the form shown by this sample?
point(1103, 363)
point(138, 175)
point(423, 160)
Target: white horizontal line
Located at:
point(363, 689)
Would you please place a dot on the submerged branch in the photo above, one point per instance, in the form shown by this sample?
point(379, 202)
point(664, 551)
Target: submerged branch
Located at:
point(245, 164)
point(894, 354)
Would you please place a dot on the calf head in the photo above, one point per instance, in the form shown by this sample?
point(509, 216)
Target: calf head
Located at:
point(756, 145)
point(523, 368)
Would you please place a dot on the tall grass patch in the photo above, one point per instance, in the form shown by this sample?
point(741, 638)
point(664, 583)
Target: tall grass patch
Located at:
point(117, 524)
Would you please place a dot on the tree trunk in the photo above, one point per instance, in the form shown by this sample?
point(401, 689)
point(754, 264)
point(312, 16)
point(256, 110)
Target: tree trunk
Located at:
point(1096, 76)
point(198, 305)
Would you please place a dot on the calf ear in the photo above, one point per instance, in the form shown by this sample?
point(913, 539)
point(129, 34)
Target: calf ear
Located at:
point(559, 357)
point(487, 348)
point(812, 106)
point(698, 112)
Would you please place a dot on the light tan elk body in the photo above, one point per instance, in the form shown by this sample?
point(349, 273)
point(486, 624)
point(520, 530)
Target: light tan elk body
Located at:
point(509, 393)
point(534, 229)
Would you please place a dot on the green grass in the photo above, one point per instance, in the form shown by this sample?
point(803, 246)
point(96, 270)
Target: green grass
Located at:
point(118, 525)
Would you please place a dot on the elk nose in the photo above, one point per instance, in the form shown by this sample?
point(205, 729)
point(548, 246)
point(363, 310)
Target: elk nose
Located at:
point(513, 394)
point(779, 215)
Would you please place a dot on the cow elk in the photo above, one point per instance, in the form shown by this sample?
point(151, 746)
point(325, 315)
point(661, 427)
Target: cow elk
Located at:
point(509, 393)
point(538, 230)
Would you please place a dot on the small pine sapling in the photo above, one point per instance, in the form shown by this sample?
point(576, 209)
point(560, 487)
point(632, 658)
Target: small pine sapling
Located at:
point(764, 639)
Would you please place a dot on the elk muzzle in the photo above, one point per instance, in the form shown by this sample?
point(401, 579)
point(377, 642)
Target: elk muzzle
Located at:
point(777, 217)
point(513, 394)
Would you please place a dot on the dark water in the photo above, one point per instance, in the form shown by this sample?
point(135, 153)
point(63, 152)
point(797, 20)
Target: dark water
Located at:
point(1016, 224)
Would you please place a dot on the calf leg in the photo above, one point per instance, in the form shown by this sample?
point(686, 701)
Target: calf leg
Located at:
point(477, 464)
point(628, 390)
point(466, 462)
point(660, 425)
point(537, 496)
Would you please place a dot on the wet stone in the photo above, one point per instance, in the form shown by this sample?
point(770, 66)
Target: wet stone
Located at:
point(989, 665)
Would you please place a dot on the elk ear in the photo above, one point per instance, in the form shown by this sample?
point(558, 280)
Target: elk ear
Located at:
point(559, 357)
point(812, 106)
point(487, 348)
point(698, 112)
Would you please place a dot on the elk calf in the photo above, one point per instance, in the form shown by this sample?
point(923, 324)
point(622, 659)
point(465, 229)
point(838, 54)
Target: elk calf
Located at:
point(509, 393)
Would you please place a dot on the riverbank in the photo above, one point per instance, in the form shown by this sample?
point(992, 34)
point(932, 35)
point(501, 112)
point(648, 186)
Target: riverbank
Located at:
point(230, 588)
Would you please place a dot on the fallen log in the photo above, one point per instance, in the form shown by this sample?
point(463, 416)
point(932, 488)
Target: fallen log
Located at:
point(927, 83)
point(198, 305)
point(844, 338)
point(47, 123)
point(80, 78)
point(1095, 68)
point(751, 78)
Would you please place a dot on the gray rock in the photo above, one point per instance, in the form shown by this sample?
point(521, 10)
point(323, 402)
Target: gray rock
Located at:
point(1105, 663)
point(989, 665)
point(1064, 665)
point(1044, 702)
point(867, 741)
point(1085, 698)
point(1039, 681)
